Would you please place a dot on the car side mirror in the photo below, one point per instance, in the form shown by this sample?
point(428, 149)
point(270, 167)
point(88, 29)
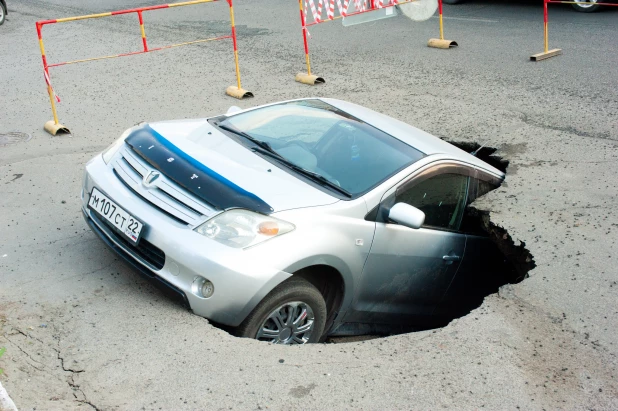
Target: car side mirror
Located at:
point(232, 110)
point(407, 215)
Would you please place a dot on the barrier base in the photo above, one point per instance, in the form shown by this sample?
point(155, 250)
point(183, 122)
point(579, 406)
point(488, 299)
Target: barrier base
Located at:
point(543, 56)
point(52, 128)
point(309, 79)
point(238, 93)
point(441, 44)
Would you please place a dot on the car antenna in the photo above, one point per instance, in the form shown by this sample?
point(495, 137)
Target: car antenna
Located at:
point(475, 152)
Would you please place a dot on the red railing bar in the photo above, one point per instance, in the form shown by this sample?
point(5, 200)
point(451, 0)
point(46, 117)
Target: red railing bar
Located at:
point(137, 52)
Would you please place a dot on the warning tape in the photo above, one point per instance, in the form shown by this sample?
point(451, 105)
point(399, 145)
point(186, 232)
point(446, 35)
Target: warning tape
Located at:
point(48, 81)
point(359, 7)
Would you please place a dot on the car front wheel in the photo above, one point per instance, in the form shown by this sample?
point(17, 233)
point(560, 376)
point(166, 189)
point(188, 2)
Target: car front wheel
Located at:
point(586, 6)
point(2, 14)
point(293, 313)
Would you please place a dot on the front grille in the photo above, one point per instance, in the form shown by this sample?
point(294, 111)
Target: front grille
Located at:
point(167, 196)
point(172, 216)
point(150, 254)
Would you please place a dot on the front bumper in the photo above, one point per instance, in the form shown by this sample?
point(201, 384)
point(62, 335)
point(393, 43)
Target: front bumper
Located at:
point(241, 278)
point(105, 235)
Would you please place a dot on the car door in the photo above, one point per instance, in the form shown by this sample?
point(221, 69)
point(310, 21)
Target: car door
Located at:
point(408, 270)
point(484, 268)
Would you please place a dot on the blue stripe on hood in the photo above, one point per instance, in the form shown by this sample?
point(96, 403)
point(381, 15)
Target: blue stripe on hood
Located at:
point(190, 174)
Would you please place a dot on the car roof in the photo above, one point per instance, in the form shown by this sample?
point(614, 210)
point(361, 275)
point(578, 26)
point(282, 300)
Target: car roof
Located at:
point(419, 139)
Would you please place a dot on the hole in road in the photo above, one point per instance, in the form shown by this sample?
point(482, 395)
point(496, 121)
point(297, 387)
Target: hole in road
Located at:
point(498, 262)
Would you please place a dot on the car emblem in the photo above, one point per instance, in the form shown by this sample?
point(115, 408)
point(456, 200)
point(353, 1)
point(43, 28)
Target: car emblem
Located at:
point(150, 178)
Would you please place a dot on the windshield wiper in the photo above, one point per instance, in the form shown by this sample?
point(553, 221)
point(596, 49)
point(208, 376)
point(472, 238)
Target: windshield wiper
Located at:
point(254, 140)
point(265, 148)
point(314, 176)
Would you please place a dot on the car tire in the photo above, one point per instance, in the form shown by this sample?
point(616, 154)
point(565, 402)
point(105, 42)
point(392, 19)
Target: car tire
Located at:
point(2, 14)
point(586, 7)
point(292, 313)
point(452, 1)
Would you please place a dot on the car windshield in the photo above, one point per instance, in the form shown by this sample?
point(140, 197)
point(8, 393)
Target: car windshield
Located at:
point(324, 140)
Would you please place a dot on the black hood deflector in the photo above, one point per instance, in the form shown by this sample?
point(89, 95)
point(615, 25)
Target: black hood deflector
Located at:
point(187, 172)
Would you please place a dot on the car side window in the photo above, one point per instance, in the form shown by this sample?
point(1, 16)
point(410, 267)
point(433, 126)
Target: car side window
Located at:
point(478, 188)
point(472, 220)
point(441, 197)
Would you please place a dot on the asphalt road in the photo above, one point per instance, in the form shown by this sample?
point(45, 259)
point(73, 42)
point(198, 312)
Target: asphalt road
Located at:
point(84, 331)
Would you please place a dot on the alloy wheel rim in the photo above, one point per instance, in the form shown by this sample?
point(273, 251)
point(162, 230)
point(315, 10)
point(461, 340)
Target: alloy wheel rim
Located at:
point(585, 3)
point(290, 323)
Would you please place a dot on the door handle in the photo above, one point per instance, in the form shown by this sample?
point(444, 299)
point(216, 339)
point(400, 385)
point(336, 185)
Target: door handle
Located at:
point(451, 258)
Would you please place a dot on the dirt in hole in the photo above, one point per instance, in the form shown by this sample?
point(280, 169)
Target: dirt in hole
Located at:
point(487, 154)
point(506, 263)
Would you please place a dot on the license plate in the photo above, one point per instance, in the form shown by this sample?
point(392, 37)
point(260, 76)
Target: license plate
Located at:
point(123, 221)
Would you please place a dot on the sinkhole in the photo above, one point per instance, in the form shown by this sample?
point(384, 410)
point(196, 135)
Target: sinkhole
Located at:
point(502, 261)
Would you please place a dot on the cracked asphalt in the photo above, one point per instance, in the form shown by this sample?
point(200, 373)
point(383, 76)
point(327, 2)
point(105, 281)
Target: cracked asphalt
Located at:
point(83, 331)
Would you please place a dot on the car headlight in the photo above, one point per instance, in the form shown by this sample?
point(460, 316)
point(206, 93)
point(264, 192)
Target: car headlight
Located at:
point(109, 152)
point(242, 228)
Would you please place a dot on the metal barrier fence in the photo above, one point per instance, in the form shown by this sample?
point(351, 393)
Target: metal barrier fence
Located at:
point(547, 53)
point(361, 7)
point(53, 126)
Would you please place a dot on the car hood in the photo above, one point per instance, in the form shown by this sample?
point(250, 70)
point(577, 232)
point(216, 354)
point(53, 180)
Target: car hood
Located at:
point(219, 170)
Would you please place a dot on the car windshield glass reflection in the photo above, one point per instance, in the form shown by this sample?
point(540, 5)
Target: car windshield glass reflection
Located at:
point(327, 141)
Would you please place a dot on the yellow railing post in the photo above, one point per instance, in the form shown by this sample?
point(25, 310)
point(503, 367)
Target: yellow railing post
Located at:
point(441, 43)
point(547, 53)
point(306, 78)
point(236, 91)
point(52, 126)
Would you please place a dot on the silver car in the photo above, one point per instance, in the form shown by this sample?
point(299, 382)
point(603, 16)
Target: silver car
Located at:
point(297, 220)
